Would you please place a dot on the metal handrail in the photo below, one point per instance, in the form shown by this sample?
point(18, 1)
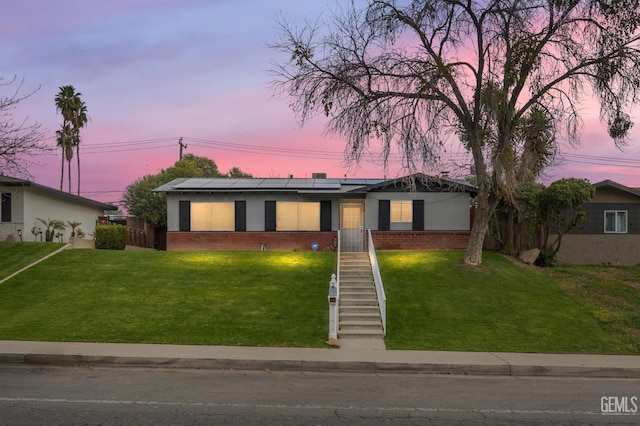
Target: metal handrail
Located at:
point(334, 301)
point(339, 249)
point(377, 279)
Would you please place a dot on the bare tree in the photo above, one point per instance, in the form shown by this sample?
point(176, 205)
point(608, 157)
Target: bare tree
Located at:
point(19, 140)
point(417, 74)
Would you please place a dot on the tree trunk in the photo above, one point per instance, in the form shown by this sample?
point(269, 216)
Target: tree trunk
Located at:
point(473, 254)
point(62, 170)
point(78, 159)
point(486, 204)
point(510, 245)
point(69, 175)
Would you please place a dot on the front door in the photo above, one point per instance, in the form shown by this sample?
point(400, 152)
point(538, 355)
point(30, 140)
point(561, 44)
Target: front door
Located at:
point(352, 227)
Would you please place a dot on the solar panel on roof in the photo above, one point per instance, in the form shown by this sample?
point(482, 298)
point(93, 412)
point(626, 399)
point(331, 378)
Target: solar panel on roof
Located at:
point(193, 183)
point(244, 183)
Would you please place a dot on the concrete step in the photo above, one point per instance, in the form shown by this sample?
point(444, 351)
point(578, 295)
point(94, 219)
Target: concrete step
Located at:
point(360, 324)
point(361, 271)
point(359, 333)
point(360, 316)
point(361, 276)
point(357, 289)
point(359, 310)
point(361, 280)
point(358, 302)
point(351, 295)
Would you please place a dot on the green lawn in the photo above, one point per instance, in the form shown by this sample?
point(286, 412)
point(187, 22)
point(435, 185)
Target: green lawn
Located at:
point(17, 255)
point(280, 299)
point(258, 299)
point(437, 303)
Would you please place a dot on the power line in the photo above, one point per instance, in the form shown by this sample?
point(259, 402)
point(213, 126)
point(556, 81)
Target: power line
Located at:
point(169, 142)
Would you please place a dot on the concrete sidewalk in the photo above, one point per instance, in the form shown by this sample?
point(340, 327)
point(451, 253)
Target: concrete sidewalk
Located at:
point(323, 360)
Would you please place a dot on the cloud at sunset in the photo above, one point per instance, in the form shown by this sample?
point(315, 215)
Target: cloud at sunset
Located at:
point(151, 72)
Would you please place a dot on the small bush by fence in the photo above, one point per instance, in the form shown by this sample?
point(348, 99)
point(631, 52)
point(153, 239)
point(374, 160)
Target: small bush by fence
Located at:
point(111, 237)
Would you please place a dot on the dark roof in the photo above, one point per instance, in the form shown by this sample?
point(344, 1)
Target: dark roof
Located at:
point(425, 183)
point(315, 186)
point(6, 181)
point(616, 185)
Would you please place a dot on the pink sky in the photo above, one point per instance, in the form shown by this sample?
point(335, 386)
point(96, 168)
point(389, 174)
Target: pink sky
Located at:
point(152, 71)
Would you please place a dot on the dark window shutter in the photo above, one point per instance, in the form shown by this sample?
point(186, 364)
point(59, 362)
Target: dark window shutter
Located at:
point(241, 215)
point(5, 214)
point(418, 215)
point(269, 215)
point(184, 216)
point(325, 215)
point(384, 215)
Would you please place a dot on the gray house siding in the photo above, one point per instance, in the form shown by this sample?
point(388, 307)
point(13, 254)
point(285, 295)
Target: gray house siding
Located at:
point(591, 244)
point(432, 217)
point(442, 211)
point(595, 217)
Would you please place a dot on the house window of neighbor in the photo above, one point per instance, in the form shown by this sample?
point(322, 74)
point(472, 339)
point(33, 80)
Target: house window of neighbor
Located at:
point(402, 211)
point(615, 221)
point(5, 207)
point(212, 216)
point(292, 216)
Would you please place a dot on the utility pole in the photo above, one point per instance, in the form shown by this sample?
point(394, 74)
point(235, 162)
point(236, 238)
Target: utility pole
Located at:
point(182, 145)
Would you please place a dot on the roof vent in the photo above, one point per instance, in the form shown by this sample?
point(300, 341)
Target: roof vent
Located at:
point(318, 175)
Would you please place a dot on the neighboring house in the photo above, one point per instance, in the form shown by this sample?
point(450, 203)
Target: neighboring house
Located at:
point(611, 234)
point(416, 212)
point(22, 202)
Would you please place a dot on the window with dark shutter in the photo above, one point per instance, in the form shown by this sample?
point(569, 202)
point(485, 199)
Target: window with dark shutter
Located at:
point(269, 215)
point(5, 212)
point(418, 215)
point(325, 215)
point(184, 216)
point(241, 215)
point(384, 215)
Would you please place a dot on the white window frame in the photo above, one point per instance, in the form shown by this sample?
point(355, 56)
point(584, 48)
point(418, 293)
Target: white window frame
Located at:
point(617, 221)
point(219, 217)
point(403, 211)
point(298, 215)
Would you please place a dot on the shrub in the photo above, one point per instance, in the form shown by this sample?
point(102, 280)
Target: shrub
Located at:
point(111, 237)
point(547, 258)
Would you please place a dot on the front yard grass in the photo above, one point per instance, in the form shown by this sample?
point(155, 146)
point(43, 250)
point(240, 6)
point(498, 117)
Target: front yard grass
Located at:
point(16, 255)
point(280, 299)
point(437, 303)
point(210, 298)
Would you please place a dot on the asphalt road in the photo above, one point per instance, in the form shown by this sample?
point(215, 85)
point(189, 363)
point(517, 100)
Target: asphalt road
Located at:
point(37, 395)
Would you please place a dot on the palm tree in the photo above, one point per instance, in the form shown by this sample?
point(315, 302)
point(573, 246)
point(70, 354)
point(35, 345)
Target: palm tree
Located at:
point(67, 137)
point(80, 120)
point(52, 225)
point(74, 117)
point(74, 225)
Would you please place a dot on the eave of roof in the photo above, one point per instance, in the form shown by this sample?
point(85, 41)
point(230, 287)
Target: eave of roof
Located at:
point(618, 186)
point(7, 181)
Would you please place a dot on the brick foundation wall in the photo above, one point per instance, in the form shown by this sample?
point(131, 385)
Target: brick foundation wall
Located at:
point(288, 241)
point(275, 241)
point(420, 240)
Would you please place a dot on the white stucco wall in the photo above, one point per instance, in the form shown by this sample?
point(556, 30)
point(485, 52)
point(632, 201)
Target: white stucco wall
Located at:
point(28, 204)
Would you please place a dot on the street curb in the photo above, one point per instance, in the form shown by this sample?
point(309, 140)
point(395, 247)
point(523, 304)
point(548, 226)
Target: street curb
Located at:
point(301, 365)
